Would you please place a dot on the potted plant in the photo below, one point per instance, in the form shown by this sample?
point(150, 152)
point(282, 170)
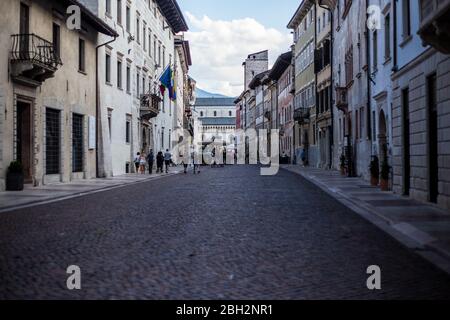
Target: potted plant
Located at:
point(375, 171)
point(14, 177)
point(342, 165)
point(385, 171)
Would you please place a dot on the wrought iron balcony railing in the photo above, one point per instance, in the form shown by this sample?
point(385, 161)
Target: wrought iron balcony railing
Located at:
point(150, 105)
point(34, 49)
point(302, 115)
point(435, 24)
point(342, 99)
point(33, 59)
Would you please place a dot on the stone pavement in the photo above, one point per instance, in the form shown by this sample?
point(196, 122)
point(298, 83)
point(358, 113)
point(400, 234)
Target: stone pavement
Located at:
point(30, 196)
point(420, 226)
point(228, 233)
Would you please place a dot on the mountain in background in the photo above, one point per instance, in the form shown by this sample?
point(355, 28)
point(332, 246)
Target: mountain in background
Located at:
point(205, 94)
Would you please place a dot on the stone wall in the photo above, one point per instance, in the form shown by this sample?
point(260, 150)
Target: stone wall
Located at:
point(414, 77)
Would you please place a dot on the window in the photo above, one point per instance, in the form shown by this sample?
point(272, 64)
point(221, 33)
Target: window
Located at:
point(138, 29)
point(406, 18)
point(361, 122)
point(108, 7)
point(164, 57)
point(349, 65)
point(119, 12)
point(230, 113)
point(215, 113)
point(128, 130)
point(56, 40)
point(128, 79)
point(357, 124)
point(81, 56)
point(128, 19)
point(77, 143)
point(52, 141)
point(150, 42)
point(110, 123)
point(143, 84)
point(144, 35)
point(201, 114)
point(154, 48)
point(159, 54)
point(119, 74)
point(108, 68)
point(387, 37)
point(138, 89)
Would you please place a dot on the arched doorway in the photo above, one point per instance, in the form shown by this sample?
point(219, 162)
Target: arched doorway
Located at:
point(382, 136)
point(144, 140)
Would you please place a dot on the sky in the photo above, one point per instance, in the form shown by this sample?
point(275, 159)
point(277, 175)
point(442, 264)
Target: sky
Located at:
point(223, 33)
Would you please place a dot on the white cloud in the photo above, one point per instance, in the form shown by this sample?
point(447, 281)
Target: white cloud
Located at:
point(220, 47)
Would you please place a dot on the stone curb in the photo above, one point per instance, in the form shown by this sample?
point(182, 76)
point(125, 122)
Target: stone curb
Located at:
point(421, 243)
point(81, 194)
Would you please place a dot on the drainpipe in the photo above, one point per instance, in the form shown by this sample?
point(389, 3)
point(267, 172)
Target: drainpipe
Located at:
point(395, 66)
point(369, 80)
point(330, 98)
point(97, 107)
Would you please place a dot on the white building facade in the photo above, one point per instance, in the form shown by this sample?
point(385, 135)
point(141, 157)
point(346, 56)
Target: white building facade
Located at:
point(130, 68)
point(217, 117)
point(421, 101)
point(381, 64)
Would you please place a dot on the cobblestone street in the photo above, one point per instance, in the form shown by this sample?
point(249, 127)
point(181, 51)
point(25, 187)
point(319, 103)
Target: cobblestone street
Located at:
point(228, 233)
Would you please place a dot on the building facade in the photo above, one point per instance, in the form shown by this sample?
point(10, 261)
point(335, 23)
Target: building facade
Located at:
point(380, 66)
point(217, 117)
point(421, 101)
point(282, 73)
point(136, 116)
point(322, 65)
point(352, 109)
point(48, 95)
point(304, 30)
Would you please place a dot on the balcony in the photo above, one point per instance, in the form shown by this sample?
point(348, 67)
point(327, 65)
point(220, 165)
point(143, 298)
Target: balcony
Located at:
point(33, 59)
point(188, 112)
point(435, 24)
point(302, 115)
point(150, 106)
point(342, 99)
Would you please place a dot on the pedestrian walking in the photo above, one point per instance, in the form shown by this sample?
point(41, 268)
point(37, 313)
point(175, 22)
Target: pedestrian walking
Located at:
point(167, 160)
point(195, 162)
point(137, 161)
point(184, 162)
point(213, 158)
point(150, 161)
point(142, 163)
point(159, 162)
point(303, 157)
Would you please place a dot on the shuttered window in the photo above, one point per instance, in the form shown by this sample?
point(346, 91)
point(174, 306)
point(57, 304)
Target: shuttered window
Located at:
point(77, 143)
point(52, 141)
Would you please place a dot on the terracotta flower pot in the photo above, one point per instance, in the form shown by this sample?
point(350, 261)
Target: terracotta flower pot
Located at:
point(374, 181)
point(384, 185)
point(14, 181)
